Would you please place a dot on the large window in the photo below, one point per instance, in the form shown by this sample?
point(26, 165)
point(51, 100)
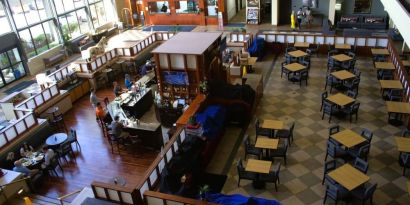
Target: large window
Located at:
point(73, 18)
point(5, 26)
point(11, 67)
point(98, 14)
point(156, 7)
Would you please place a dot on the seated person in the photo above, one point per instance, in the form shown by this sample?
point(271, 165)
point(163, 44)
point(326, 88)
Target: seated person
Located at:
point(117, 89)
point(145, 68)
point(18, 167)
point(48, 155)
point(128, 83)
point(101, 114)
point(116, 128)
point(26, 149)
point(9, 163)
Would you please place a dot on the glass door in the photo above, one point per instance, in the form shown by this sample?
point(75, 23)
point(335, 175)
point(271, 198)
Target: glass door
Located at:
point(11, 66)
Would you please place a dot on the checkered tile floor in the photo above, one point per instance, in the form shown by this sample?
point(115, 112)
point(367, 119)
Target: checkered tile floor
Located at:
point(301, 178)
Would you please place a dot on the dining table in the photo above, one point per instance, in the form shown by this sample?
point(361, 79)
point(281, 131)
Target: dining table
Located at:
point(56, 139)
point(342, 57)
point(32, 160)
point(272, 125)
point(398, 109)
point(298, 54)
point(348, 138)
point(258, 167)
point(340, 99)
point(403, 144)
point(348, 176)
point(343, 46)
point(267, 144)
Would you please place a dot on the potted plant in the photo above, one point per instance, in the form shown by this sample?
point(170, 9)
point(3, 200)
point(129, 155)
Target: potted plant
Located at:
point(203, 190)
point(203, 87)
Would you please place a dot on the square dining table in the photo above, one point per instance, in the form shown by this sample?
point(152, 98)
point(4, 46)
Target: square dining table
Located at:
point(340, 99)
point(267, 143)
point(348, 138)
point(343, 46)
point(349, 177)
point(403, 144)
point(272, 124)
point(258, 166)
point(384, 66)
point(301, 45)
point(342, 57)
point(298, 54)
point(343, 75)
point(294, 67)
point(380, 51)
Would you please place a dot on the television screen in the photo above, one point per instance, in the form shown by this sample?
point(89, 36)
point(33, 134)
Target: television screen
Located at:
point(175, 78)
point(310, 3)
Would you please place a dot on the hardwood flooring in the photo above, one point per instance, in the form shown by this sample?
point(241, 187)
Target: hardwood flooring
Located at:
point(95, 161)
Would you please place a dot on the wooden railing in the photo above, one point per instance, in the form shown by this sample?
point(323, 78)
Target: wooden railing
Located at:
point(116, 193)
point(157, 198)
point(98, 62)
point(59, 74)
point(401, 72)
point(38, 99)
point(318, 38)
point(245, 38)
point(17, 128)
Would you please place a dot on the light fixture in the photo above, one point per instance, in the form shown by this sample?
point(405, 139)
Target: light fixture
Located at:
point(338, 6)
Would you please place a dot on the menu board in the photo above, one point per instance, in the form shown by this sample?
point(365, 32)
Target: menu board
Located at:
point(252, 11)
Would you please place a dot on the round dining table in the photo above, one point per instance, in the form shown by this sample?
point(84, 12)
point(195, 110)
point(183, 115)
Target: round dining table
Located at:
point(56, 139)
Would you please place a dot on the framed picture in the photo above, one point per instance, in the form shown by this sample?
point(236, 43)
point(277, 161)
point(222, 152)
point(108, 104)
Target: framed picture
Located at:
point(362, 6)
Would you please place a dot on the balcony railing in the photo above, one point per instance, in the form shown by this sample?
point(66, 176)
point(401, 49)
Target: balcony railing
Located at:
point(17, 128)
point(38, 99)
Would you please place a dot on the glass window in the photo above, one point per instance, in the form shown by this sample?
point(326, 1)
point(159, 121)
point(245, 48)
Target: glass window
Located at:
point(27, 43)
point(98, 14)
point(73, 24)
point(39, 38)
point(3, 21)
point(158, 7)
point(183, 7)
point(51, 33)
point(83, 21)
point(211, 6)
point(18, 13)
point(59, 6)
point(11, 67)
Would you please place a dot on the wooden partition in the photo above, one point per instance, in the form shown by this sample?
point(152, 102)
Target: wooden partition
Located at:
point(38, 99)
point(17, 128)
point(238, 39)
point(60, 74)
point(114, 193)
point(318, 38)
point(98, 62)
point(401, 72)
point(157, 198)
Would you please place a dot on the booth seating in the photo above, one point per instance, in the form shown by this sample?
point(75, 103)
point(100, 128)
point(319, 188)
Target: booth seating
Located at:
point(53, 60)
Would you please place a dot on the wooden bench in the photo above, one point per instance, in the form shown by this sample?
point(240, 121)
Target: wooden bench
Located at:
point(52, 60)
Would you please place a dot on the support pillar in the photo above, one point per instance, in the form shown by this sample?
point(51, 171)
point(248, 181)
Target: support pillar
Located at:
point(275, 12)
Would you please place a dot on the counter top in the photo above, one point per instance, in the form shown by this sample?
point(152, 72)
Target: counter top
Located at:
point(9, 176)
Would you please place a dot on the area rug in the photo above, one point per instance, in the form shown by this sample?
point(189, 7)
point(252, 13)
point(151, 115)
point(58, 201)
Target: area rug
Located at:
point(169, 28)
point(20, 86)
point(214, 181)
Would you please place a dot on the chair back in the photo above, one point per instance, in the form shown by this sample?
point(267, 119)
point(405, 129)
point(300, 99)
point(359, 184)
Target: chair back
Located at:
point(331, 191)
point(370, 191)
point(73, 133)
point(361, 165)
point(292, 127)
point(276, 170)
point(65, 147)
point(405, 158)
point(327, 107)
point(331, 148)
point(240, 168)
point(329, 165)
point(333, 130)
point(246, 141)
point(367, 134)
point(355, 107)
point(406, 133)
point(364, 150)
point(324, 96)
point(352, 94)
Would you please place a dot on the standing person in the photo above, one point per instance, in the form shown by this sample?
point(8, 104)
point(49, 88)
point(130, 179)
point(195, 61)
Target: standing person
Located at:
point(299, 16)
point(292, 20)
point(93, 98)
point(309, 16)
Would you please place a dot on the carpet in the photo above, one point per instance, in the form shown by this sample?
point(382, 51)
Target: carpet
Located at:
point(215, 181)
point(169, 28)
point(19, 86)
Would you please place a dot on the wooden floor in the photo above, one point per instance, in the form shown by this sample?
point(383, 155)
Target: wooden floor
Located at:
point(95, 161)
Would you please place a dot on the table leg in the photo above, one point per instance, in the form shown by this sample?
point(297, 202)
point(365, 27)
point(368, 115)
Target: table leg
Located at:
point(258, 184)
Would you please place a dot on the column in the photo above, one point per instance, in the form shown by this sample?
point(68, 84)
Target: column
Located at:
point(332, 4)
point(275, 12)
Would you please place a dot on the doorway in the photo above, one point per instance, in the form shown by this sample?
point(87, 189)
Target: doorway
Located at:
point(284, 12)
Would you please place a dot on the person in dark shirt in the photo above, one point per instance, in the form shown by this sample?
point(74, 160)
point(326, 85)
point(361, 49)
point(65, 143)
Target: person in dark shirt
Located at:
point(117, 89)
point(164, 8)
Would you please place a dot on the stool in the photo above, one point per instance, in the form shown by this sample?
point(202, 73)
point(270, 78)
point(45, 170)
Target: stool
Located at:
point(58, 123)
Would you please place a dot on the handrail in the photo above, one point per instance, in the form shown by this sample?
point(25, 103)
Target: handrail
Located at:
point(115, 193)
point(401, 71)
point(38, 99)
point(20, 126)
point(59, 74)
point(61, 198)
point(167, 198)
point(245, 38)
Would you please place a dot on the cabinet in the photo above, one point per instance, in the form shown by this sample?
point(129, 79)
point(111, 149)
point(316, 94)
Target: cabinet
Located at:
point(79, 90)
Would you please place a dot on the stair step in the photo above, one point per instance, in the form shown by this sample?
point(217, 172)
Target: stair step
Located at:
point(43, 199)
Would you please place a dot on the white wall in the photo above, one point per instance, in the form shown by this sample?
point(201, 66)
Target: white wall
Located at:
point(399, 16)
point(230, 8)
point(36, 65)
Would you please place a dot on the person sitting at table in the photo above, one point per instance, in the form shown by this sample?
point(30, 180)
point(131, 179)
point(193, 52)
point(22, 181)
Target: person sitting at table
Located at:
point(18, 167)
point(10, 159)
point(117, 89)
point(48, 155)
point(117, 130)
point(26, 149)
point(101, 114)
point(128, 82)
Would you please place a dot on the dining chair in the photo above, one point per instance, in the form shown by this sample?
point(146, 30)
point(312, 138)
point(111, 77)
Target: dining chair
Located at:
point(301, 76)
point(361, 165)
point(58, 123)
point(351, 54)
point(290, 49)
point(404, 161)
point(261, 131)
point(284, 70)
point(286, 134)
point(250, 148)
point(336, 193)
point(352, 110)
point(324, 96)
point(395, 94)
point(352, 94)
point(52, 167)
point(329, 109)
point(281, 152)
point(367, 134)
point(112, 139)
point(272, 176)
point(335, 151)
point(360, 152)
point(333, 130)
point(243, 174)
point(328, 166)
point(332, 82)
point(353, 85)
point(314, 49)
point(364, 193)
point(72, 138)
point(406, 133)
point(65, 150)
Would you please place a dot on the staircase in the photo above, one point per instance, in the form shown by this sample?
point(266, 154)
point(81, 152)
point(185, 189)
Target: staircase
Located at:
point(35, 199)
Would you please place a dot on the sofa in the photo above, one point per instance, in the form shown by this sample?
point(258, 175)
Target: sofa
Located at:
point(81, 43)
point(53, 60)
point(363, 22)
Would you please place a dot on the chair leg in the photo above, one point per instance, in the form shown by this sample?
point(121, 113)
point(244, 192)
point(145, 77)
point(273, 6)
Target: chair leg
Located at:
point(326, 157)
point(324, 200)
point(239, 181)
point(276, 187)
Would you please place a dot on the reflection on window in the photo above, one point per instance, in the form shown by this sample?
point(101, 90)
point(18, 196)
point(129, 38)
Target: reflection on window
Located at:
point(38, 38)
point(211, 6)
point(190, 6)
point(98, 14)
point(158, 7)
point(11, 67)
point(5, 26)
